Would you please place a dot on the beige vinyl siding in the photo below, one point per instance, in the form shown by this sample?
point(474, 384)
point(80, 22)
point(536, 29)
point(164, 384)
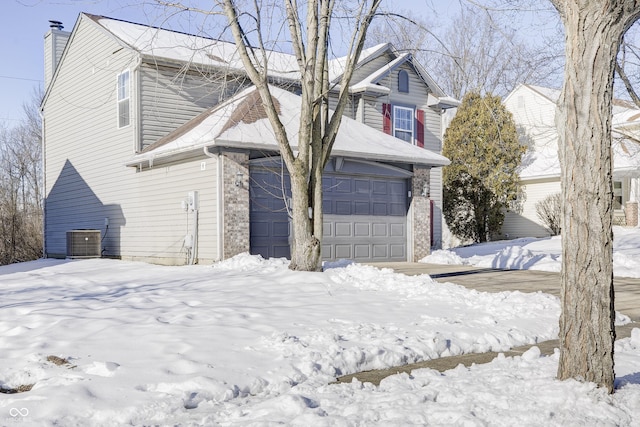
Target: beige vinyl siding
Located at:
point(349, 110)
point(157, 224)
point(370, 67)
point(525, 222)
point(372, 113)
point(169, 97)
point(85, 177)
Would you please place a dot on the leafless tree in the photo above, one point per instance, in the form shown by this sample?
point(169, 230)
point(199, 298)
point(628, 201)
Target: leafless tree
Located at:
point(20, 187)
point(593, 33)
point(476, 51)
point(628, 66)
point(310, 27)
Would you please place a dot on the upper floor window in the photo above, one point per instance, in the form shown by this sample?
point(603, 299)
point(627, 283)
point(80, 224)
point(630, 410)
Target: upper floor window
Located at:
point(403, 81)
point(124, 109)
point(403, 123)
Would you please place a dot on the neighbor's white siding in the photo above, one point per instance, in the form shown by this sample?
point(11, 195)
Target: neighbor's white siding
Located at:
point(525, 222)
point(86, 180)
point(534, 115)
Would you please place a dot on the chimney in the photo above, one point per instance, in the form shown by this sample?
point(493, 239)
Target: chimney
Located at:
point(54, 42)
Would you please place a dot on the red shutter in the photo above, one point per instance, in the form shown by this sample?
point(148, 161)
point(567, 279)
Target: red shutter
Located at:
point(386, 118)
point(420, 127)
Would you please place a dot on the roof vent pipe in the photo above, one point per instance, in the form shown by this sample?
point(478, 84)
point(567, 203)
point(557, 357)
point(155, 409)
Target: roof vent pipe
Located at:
point(56, 24)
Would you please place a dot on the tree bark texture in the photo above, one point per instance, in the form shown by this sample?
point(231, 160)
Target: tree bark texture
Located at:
point(593, 31)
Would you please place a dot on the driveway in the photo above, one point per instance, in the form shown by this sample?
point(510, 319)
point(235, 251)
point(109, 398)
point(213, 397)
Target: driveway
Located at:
point(627, 290)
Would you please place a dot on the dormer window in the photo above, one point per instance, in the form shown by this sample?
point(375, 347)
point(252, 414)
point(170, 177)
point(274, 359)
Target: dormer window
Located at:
point(124, 109)
point(403, 81)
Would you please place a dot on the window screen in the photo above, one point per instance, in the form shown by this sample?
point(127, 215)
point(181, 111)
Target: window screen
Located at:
point(403, 123)
point(124, 113)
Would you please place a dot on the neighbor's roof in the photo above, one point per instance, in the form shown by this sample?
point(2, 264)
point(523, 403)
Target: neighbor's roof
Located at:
point(241, 122)
point(543, 162)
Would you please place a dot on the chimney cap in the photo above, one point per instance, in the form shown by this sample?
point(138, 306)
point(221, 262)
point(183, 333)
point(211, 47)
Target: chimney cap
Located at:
point(56, 24)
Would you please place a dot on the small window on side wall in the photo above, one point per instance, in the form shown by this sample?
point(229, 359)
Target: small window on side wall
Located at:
point(403, 81)
point(124, 109)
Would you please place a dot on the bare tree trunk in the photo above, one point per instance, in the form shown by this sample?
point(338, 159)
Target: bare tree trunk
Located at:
point(318, 127)
point(593, 31)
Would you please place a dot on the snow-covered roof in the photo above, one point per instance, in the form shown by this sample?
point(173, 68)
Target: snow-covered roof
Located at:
point(543, 162)
point(178, 47)
point(241, 122)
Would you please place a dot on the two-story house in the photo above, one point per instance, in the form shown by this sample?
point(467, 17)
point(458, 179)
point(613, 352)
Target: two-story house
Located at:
point(534, 109)
point(157, 139)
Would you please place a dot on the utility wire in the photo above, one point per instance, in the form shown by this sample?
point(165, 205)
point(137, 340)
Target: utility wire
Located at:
point(20, 78)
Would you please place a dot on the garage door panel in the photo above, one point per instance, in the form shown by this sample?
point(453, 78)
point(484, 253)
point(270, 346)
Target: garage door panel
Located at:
point(362, 186)
point(342, 185)
point(281, 251)
point(380, 251)
point(397, 209)
point(379, 208)
point(398, 251)
point(343, 229)
point(342, 207)
point(379, 187)
point(362, 208)
point(397, 230)
point(281, 229)
point(362, 229)
point(362, 251)
point(380, 229)
point(342, 251)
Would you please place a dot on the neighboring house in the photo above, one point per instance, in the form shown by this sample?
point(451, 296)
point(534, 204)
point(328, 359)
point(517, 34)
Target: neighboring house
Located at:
point(533, 110)
point(158, 140)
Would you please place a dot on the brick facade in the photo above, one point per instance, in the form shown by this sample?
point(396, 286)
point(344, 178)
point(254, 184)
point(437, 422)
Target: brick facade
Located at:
point(421, 212)
point(236, 203)
point(631, 213)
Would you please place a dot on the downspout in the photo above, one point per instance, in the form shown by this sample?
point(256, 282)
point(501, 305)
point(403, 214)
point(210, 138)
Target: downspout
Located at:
point(219, 200)
point(44, 187)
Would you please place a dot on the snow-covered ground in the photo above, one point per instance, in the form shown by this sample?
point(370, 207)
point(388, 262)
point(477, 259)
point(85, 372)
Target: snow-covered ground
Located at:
point(539, 254)
point(247, 342)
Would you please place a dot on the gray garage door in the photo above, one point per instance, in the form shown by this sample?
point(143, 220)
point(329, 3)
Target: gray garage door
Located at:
point(364, 215)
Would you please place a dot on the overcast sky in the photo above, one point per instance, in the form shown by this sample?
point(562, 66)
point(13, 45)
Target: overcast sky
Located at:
point(26, 21)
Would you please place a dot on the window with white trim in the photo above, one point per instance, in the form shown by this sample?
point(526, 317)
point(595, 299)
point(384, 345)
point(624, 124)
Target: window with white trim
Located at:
point(124, 108)
point(403, 122)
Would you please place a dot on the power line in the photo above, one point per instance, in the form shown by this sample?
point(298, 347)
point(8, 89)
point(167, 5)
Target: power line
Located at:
point(20, 78)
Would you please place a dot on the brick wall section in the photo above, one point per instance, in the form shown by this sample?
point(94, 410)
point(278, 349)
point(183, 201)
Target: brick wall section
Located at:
point(420, 211)
point(631, 212)
point(236, 204)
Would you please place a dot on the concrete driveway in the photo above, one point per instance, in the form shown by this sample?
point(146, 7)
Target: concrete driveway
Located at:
point(627, 291)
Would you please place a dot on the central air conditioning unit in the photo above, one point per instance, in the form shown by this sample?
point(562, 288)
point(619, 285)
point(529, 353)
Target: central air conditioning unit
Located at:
point(83, 244)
